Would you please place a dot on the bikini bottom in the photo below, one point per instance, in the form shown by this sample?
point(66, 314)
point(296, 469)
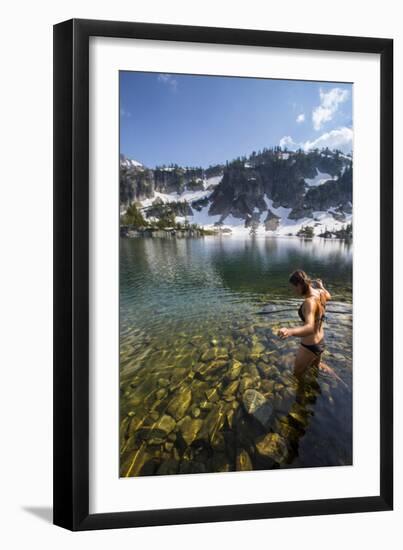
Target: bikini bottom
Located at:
point(317, 349)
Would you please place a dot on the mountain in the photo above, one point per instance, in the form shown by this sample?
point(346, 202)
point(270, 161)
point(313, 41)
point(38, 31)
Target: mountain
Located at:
point(274, 191)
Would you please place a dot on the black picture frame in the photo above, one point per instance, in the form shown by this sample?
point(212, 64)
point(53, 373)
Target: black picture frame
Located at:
point(71, 274)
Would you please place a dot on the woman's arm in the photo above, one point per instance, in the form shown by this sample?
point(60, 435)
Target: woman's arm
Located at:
point(307, 329)
point(327, 294)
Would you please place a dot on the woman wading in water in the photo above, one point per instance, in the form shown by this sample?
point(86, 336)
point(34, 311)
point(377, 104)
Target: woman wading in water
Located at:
point(312, 314)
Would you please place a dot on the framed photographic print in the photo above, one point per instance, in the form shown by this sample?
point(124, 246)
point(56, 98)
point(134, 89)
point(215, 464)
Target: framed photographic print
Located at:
point(223, 274)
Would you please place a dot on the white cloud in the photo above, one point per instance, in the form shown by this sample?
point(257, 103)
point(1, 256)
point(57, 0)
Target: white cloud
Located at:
point(329, 103)
point(339, 138)
point(125, 113)
point(287, 142)
point(301, 117)
point(169, 80)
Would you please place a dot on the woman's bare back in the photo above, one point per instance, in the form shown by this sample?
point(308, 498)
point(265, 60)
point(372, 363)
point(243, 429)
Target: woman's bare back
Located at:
point(317, 296)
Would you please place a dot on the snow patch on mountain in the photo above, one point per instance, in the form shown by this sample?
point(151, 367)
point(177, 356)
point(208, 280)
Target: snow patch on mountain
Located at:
point(287, 227)
point(281, 212)
point(320, 178)
point(129, 163)
point(202, 217)
point(187, 195)
point(213, 181)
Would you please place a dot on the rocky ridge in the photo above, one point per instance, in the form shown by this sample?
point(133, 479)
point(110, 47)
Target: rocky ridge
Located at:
point(274, 190)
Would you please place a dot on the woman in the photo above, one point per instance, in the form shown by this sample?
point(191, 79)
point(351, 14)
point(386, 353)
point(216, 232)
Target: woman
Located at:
point(312, 314)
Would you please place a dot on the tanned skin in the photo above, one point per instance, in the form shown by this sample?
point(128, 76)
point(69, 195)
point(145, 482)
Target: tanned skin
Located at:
point(311, 332)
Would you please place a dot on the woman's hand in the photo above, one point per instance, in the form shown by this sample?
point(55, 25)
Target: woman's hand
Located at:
point(321, 287)
point(320, 284)
point(284, 333)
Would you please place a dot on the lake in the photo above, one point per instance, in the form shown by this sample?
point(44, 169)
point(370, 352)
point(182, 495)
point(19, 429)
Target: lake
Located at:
point(206, 385)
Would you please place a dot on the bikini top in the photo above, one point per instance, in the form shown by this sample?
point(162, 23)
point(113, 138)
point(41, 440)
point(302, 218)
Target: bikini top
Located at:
point(301, 315)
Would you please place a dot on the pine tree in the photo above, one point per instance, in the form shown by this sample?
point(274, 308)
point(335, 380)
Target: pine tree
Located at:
point(134, 217)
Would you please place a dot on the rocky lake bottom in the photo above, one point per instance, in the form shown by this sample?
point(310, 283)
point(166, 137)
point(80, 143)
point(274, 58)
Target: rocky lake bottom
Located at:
point(223, 397)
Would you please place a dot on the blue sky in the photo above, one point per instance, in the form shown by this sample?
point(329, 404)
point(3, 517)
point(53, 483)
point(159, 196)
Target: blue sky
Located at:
point(197, 120)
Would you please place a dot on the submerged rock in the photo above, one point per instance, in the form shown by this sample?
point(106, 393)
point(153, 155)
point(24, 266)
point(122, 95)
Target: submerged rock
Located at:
point(220, 463)
point(132, 463)
point(273, 446)
point(234, 370)
point(213, 422)
point(298, 419)
point(180, 403)
point(283, 404)
point(267, 386)
point(212, 394)
point(209, 355)
point(161, 393)
point(178, 373)
point(253, 371)
point(243, 461)
point(155, 441)
point(218, 441)
point(154, 415)
point(189, 428)
point(192, 467)
point(166, 424)
point(258, 406)
point(206, 405)
point(231, 390)
point(222, 354)
point(195, 412)
point(246, 382)
point(205, 370)
point(142, 392)
point(263, 369)
point(257, 350)
point(299, 416)
point(290, 433)
point(169, 467)
point(230, 418)
point(272, 373)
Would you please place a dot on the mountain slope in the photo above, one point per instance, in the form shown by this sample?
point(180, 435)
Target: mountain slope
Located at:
point(274, 191)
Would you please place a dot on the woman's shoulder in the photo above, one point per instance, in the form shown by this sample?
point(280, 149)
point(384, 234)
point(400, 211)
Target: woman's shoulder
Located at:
point(311, 300)
point(315, 299)
point(318, 294)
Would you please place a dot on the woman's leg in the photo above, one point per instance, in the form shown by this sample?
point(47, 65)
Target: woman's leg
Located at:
point(325, 368)
point(328, 370)
point(303, 359)
point(306, 359)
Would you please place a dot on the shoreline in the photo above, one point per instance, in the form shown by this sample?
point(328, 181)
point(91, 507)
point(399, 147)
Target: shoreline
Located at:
point(170, 233)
